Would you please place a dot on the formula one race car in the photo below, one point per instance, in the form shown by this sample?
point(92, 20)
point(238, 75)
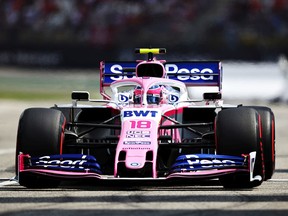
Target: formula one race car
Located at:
point(147, 128)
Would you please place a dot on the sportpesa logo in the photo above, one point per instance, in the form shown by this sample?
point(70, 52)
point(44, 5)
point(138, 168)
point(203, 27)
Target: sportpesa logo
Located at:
point(184, 72)
point(173, 69)
point(46, 161)
point(195, 160)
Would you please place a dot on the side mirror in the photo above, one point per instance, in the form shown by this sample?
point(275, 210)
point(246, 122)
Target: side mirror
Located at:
point(212, 96)
point(80, 95)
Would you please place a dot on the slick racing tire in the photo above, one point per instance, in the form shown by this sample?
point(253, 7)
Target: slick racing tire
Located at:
point(40, 133)
point(268, 139)
point(238, 132)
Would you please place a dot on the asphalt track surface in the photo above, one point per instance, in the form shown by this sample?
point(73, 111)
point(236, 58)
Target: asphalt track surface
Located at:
point(92, 198)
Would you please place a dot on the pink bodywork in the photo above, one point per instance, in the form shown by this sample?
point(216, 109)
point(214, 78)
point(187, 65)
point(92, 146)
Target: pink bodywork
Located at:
point(140, 128)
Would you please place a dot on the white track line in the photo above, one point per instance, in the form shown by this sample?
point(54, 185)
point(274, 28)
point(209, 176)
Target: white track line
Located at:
point(8, 182)
point(278, 180)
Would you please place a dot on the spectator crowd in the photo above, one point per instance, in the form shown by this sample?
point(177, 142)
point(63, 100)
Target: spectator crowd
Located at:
point(201, 27)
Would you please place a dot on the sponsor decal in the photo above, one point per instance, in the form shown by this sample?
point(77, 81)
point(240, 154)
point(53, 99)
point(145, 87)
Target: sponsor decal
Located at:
point(137, 143)
point(118, 69)
point(140, 113)
point(123, 98)
point(173, 69)
point(173, 98)
point(188, 72)
point(137, 134)
point(206, 163)
point(46, 162)
point(135, 164)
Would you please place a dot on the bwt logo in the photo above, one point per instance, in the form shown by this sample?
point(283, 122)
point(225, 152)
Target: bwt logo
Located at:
point(173, 69)
point(140, 113)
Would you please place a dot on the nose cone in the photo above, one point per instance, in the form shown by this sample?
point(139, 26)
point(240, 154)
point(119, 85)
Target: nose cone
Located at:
point(135, 161)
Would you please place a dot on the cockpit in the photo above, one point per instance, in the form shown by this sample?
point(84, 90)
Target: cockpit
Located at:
point(148, 90)
point(153, 96)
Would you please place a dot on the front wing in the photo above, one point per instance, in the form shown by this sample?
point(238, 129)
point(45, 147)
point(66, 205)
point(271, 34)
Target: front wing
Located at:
point(194, 166)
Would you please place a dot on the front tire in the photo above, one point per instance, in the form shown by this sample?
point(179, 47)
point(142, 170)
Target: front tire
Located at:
point(237, 133)
point(40, 133)
point(268, 138)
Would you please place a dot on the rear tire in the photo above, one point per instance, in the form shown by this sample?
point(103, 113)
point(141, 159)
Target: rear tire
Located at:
point(40, 133)
point(237, 133)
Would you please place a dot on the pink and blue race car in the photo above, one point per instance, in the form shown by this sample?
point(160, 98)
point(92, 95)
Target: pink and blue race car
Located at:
point(147, 128)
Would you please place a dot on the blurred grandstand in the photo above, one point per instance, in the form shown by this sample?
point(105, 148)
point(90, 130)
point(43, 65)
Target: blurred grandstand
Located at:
point(80, 33)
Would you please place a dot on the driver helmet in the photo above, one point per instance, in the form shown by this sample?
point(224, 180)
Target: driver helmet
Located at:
point(154, 94)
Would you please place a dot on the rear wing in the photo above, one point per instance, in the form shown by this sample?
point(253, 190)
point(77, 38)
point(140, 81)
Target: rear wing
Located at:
point(192, 73)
